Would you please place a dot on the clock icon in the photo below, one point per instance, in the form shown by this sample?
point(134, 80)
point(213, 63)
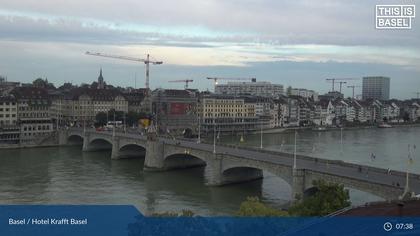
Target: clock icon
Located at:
point(387, 226)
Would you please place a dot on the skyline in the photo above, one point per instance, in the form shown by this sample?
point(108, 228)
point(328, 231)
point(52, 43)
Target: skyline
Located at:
point(297, 44)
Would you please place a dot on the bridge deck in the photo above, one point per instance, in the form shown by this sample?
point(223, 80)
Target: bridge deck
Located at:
point(365, 173)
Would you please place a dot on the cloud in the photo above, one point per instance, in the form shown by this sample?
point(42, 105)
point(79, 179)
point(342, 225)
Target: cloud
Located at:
point(268, 21)
point(197, 45)
point(217, 34)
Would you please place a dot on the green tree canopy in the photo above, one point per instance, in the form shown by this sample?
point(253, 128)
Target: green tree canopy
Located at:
point(101, 118)
point(328, 199)
point(133, 117)
point(253, 207)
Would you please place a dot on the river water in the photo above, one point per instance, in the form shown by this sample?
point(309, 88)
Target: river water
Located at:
point(66, 175)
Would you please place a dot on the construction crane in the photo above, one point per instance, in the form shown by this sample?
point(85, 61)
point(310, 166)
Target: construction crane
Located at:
point(186, 81)
point(341, 83)
point(418, 94)
point(216, 79)
point(352, 87)
point(146, 61)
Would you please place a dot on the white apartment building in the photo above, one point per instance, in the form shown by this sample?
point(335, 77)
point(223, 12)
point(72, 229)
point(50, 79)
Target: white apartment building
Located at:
point(306, 93)
point(8, 111)
point(263, 89)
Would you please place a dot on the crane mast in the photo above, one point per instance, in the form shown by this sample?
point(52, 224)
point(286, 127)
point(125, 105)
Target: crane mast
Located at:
point(352, 87)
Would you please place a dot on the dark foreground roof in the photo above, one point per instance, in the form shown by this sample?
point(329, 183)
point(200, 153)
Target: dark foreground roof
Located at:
point(394, 208)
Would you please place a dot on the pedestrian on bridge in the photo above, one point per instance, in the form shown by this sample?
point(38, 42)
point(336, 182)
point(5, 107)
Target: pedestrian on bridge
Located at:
point(372, 156)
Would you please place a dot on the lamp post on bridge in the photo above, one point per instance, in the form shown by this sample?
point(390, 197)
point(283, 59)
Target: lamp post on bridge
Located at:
point(261, 135)
point(294, 153)
point(410, 161)
point(84, 126)
point(214, 136)
point(341, 140)
point(199, 129)
point(125, 124)
point(113, 127)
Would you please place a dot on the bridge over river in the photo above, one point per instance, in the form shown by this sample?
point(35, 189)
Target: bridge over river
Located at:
point(232, 164)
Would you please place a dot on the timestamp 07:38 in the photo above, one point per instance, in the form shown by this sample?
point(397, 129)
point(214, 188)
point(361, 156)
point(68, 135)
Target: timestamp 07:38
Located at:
point(388, 226)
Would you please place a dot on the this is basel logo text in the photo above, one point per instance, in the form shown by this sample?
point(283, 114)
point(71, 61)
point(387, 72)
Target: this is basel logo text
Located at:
point(394, 16)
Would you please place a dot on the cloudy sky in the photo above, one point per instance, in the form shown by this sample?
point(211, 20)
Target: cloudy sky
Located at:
point(298, 43)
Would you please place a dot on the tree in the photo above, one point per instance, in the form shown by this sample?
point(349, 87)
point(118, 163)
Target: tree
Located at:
point(327, 199)
point(94, 85)
point(101, 118)
point(40, 83)
point(253, 207)
point(133, 117)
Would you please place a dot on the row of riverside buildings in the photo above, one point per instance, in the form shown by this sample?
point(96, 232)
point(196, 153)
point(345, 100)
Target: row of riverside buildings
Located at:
point(245, 113)
point(30, 113)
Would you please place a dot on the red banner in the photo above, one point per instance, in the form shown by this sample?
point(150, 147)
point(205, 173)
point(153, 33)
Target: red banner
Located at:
point(179, 108)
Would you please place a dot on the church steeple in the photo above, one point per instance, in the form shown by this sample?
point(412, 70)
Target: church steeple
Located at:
point(101, 83)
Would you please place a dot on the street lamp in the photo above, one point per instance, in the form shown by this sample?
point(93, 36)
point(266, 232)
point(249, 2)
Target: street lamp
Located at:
point(125, 125)
point(341, 139)
point(261, 136)
point(113, 127)
point(294, 153)
point(214, 135)
point(199, 129)
point(410, 160)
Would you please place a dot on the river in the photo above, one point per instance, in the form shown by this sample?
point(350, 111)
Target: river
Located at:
point(66, 175)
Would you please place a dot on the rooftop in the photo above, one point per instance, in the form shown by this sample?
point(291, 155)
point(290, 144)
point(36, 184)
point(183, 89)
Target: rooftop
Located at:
point(394, 208)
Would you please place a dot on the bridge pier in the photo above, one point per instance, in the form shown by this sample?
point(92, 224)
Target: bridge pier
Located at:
point(86, 147)
point(115, 153)
point(298, 184)
point(154, 159)
point(62, 138)
point(213, 172)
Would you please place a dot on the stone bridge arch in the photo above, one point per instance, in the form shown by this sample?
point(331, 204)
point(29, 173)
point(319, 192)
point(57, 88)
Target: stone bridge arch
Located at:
point(180, 159)
point(75, 139)
point(283, 172)
point(130, 150)
point(97, 143)
point(235, 171)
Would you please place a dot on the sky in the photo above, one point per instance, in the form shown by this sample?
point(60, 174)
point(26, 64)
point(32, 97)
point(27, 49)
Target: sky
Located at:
point(296, 43)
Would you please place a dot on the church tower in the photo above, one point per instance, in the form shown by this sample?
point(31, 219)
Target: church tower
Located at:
point(101, 83)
